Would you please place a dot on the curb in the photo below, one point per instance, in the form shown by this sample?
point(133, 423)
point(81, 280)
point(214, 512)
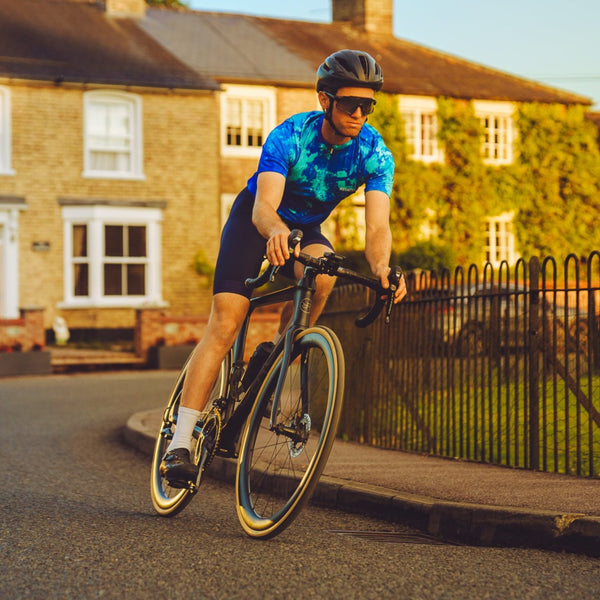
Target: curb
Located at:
point(456, 522)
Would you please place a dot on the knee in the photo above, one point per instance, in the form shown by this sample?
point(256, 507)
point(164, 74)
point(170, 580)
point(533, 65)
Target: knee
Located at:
point(324, 286)
point(222, 328)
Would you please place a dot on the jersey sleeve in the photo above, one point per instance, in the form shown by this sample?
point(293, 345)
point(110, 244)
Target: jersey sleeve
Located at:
point(278, 150)
point(380, 166)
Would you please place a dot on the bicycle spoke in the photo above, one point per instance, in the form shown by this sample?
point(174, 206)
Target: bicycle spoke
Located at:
point(280, 465)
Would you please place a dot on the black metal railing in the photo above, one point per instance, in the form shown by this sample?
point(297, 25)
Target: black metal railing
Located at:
point(492, 365)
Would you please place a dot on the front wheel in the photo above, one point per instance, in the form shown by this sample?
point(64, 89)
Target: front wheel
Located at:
point(279, 466)
point(169, 501)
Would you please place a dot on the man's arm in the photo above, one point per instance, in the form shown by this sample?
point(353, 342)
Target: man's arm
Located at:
point(269, 192)
point(378, 238)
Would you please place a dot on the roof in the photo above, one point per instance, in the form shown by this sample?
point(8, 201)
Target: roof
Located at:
point(232, 47)
point(75, 41)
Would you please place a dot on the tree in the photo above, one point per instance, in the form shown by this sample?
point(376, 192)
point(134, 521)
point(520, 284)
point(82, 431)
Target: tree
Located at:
point(167, 3)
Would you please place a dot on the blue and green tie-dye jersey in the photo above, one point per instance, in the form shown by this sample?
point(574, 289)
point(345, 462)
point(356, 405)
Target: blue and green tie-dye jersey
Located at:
point(318, 175)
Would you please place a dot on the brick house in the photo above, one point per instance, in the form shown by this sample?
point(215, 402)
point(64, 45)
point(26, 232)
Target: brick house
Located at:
point(126, 132)
point(108, 175)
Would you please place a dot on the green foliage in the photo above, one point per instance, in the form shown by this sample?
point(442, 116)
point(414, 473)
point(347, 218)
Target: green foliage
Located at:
point(346, 235)
point(428, 255)
point(168, 3)
point(560, 175)
point(553, 187)
point(204, 267)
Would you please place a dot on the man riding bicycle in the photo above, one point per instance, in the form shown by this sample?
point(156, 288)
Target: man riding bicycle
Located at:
point(308, 165)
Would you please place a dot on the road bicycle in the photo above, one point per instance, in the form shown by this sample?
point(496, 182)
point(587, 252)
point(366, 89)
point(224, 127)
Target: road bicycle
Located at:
point(281, 425)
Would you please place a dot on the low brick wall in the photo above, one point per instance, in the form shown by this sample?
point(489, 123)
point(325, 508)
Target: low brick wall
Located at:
point(25, 333)
point(156, 327)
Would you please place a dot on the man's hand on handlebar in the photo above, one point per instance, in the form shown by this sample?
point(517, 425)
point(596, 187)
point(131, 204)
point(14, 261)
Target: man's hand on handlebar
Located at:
point(383, 274)
point(278, 251)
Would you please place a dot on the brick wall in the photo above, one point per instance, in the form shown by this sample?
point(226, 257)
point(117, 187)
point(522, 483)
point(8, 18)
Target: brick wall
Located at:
point(155, 327)
point(25, 333)
point(370, 16)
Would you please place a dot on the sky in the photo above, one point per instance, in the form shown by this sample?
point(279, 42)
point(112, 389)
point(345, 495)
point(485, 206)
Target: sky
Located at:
point(555, 42)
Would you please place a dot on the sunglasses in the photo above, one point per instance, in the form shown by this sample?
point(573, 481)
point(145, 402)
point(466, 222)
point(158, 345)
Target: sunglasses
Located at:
point(349, 104)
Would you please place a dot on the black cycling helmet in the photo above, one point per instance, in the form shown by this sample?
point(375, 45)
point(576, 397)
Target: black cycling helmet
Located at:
point(349, 68)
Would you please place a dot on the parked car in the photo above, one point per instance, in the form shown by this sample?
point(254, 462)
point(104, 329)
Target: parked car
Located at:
point(488, 318)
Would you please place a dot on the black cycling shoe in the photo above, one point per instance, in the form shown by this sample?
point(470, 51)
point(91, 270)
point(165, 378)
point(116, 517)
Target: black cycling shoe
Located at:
point(177, 468)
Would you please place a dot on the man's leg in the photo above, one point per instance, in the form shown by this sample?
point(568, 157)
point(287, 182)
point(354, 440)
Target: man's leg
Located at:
point(227, 315)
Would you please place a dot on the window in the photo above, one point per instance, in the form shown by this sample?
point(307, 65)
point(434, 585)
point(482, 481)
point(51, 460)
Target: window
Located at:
point(501, 240)
point(248, 115)
point(112, 255)
point(498, 137)
point(113, 135)
point(5, 137)
point(419, 115)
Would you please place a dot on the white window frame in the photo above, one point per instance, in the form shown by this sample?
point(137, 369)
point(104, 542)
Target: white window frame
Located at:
point(497, 145)
point(5, 133)
point(245, 93)
point(96, 217)
point(500, 239)
point(136, 159)
point(422, 111)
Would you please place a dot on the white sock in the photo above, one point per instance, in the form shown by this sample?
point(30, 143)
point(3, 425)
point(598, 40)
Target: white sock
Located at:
point(186, 421)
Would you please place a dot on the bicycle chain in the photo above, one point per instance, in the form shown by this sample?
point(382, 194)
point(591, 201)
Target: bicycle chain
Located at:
point(213, 417)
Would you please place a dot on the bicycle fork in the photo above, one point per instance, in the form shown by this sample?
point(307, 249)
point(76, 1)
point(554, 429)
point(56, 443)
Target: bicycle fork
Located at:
point(298, 428)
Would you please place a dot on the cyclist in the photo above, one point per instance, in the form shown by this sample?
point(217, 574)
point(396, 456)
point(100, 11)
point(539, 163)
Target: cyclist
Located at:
point(308, 164)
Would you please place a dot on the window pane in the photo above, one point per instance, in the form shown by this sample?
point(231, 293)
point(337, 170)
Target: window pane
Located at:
point(245, 122)
point(119, 121)
point(96, 119)
point(254, 137)
point(113, 284)
point(254, 114)
point(81, 280)
point(234, 112)
point(110, 161)
point(80, 240)
point(137, 240)
point(109, 134)
point(113, 240)
point(234, 136)
point(136, 280)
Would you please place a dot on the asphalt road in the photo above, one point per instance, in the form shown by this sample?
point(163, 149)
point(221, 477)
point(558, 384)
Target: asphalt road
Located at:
point(77, 522)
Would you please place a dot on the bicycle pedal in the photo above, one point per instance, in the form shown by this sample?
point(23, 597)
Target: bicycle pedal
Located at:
point(226, 452)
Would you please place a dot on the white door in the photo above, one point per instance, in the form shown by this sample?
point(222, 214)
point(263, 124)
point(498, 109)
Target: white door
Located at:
point(2, 282)
point(9, 263)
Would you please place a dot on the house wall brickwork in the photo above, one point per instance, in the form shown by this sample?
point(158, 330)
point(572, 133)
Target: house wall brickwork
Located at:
point(370, 16)
point(181, 168)
point(155, 327)
point(25, 333)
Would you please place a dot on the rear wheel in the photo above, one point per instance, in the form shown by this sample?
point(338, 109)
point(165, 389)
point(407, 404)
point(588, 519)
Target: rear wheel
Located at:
point(168, 501)
point(279, 466)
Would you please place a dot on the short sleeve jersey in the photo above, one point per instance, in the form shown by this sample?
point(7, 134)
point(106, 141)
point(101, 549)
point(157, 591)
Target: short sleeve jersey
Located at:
point(318, 175)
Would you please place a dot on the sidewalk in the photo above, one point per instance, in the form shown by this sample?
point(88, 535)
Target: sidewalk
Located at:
point(459, 501)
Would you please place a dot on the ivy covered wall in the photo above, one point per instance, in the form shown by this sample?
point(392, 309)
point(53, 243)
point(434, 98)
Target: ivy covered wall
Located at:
point(553, 185)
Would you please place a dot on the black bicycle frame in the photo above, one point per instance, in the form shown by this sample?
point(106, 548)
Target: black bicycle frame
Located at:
point(302, 294)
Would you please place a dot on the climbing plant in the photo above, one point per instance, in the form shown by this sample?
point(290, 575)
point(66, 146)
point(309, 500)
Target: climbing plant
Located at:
point(552, 187)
